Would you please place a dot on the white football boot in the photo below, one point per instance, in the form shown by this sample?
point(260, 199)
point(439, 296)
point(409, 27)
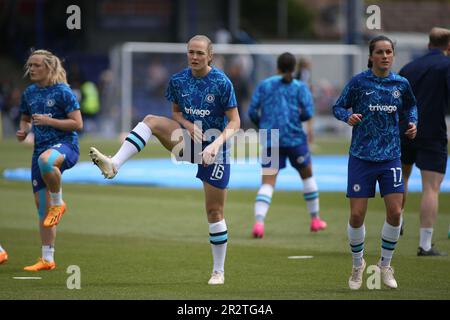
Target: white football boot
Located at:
point(356, 279)
point(217, 278)
point(103, 162)
point(387, 275)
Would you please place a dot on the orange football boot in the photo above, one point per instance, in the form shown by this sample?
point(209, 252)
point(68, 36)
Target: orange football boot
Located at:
point(3, 257)
point(41, 265)
point(54, 215)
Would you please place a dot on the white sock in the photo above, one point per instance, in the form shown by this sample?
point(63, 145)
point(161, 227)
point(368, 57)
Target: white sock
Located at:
point(425, 238)
point(262, 202)
point(356, 238)
point(48, 252)
point(134, 143)
point(311, 196)
point(1, 249)
point(218, 237)
point(389, 238)
point(56, 198)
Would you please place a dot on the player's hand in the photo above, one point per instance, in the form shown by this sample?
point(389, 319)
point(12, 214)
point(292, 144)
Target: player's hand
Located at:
point(196, 134)
point(411, 131)
point(209, 154)
point(354, 119)
point(21, 135)
point(40, 119)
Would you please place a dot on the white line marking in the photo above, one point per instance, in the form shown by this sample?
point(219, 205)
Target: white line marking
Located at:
point(300, 257)
point(27, 278)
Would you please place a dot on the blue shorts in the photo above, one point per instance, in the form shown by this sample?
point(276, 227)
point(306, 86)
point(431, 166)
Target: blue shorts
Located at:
point(216, 174)
point(70, 159)
point(299, 157)
point(363, 176)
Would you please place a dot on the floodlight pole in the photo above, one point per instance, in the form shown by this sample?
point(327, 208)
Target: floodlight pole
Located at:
point(282, 19)
point(353, 35)
point(234, 13)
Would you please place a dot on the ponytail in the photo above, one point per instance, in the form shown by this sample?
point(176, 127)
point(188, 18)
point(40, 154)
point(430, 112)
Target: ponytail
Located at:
point(286, 65)
point(287, 78)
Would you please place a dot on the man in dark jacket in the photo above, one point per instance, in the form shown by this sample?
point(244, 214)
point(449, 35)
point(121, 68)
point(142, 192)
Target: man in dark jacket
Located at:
point(429, 77)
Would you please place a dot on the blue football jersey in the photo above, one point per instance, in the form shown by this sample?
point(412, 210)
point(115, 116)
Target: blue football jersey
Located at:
point(56, 101)
point(380, 101)
point(203, 99)
point(279, 105)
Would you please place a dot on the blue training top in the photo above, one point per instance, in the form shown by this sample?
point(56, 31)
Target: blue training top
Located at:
point(203, 99)
point(56, 101)
point(380, 101)
point(280, 105)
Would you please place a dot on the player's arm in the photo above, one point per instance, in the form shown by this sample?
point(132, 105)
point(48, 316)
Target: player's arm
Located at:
point(411, 132)
point(411, 104)
point(24, 127)
point(306, 104)
point(74, 121)
point(307, 111)
point(194, 131)
point(255, 106)
point(345, 102)
point(234, 123)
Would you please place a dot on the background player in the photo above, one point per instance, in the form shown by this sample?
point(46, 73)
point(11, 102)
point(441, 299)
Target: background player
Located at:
point(3, 255)
point(429, 77)
point(204, 103)
point(376, 97)
point(50, 106)
point(282, 102)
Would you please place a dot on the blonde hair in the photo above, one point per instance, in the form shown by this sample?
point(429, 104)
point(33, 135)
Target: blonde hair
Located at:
point(209, 46)
point(56, 72)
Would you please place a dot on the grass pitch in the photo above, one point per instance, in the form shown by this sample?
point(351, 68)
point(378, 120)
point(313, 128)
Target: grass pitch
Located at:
point(151, 243)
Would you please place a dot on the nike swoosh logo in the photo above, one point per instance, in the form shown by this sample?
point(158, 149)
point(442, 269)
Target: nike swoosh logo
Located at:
point(370, 92)
point(184, 95)
point(397, 185)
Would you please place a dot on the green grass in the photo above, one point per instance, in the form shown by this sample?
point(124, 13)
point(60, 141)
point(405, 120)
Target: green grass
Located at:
point(151, 243)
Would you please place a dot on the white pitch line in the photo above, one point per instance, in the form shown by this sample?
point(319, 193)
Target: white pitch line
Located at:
point(27, 278)
point(300, 257)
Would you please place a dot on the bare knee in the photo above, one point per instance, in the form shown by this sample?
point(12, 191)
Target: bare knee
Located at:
point(432, 188)
point(356, 221)
point(43, 158)
point(151, 121)
point(393, 217)
point(306, 172)
point(357, 218)
point(46, 162)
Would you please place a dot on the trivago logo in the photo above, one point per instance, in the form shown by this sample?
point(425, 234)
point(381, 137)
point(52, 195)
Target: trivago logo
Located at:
point(197, 112)
point(388, 109)
point(44, 114)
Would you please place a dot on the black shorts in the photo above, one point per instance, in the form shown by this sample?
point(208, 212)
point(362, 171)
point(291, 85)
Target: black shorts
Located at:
point(427, 154)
